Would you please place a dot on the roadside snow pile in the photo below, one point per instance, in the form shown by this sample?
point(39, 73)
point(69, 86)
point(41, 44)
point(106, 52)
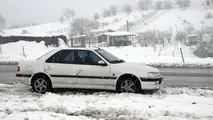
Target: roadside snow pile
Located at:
point(23, 50)
point(167, 104)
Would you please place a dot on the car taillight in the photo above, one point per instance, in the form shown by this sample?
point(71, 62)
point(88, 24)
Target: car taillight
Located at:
point(18, 69)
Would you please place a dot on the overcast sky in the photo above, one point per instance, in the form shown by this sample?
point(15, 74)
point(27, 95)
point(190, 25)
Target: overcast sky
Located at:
point(43, 11)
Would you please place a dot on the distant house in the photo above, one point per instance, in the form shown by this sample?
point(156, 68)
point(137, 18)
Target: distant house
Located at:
point(208, 4)
point(92, 35)
point(193, 39)
point(117, 38)
point(78, 41)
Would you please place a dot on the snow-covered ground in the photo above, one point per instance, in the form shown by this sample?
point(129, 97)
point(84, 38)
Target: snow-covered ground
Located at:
point(14, 51)
point(17, 102)
point(163, 57)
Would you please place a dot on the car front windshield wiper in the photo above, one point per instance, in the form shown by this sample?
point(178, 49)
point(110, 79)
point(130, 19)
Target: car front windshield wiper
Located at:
point(117, 61)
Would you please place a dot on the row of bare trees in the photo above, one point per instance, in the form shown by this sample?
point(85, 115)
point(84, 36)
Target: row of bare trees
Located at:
point(68, 14)
point(143, 5)
point(81, 26)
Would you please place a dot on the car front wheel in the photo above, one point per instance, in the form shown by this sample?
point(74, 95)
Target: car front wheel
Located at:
point(129, 85)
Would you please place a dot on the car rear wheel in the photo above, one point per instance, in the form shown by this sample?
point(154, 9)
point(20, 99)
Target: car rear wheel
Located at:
point(129, 85)
point(41, 85)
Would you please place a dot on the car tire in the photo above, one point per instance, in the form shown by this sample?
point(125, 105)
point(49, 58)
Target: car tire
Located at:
point(41, 84)
point(129, 85)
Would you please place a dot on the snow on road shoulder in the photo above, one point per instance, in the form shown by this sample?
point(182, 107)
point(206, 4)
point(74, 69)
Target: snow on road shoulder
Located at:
point(166, 104)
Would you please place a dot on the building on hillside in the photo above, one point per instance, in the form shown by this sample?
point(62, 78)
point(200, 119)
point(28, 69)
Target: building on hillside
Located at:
point(78, 41)
point(193, 39)
point(92, 35)
point(208, 4)
point(117, 38)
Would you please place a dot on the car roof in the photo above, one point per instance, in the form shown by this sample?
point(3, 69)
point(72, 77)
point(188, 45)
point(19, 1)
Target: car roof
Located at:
point(92, 48)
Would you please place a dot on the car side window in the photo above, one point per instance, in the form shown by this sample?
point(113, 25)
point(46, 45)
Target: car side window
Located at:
point(88, 58)
point(62, 57)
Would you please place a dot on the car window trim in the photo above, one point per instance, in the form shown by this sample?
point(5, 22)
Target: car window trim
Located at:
point(95, 54)
point(56, 53)
point(76, 50)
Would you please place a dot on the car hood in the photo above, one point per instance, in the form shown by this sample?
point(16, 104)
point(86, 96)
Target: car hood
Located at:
point(137, 69)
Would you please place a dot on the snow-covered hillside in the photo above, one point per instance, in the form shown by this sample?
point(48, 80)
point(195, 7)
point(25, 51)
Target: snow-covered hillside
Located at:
point(160, 20)
point(43, 29)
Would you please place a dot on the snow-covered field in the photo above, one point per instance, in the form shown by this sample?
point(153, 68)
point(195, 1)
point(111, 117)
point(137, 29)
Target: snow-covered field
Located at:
point(17, 102)
point(164, 57)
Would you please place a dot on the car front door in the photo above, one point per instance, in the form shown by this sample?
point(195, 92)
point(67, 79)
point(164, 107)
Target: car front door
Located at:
point(90, 74)
point(62, 68)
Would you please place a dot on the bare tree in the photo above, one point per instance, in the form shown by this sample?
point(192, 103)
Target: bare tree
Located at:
point(143, 39)
point(127, 9)
point(159, 5)
point(2, 22)
point(148, 38)
point(81, 26)
point(96, 16)
point(209, 16)
point(61, 19)
point(168, 35)
point(144, 4)
point(114, 9)
point(107, 13)
point(205, 47)
point(167, 4)
point(181, 36)
point(69, 13)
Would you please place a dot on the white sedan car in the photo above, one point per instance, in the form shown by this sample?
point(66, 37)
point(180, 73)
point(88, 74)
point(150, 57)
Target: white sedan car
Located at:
point(85, 68)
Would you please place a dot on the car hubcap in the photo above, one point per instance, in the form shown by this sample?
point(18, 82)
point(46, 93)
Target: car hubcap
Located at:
point(40, 85)
point(128, 86)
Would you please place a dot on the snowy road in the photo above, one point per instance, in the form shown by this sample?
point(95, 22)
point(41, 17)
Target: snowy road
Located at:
point(177, 77)
point(169, 103)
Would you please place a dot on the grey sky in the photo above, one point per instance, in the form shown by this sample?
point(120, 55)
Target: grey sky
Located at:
point(42, 11)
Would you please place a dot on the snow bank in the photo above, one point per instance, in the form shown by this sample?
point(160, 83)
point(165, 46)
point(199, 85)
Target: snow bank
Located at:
point(167, 104)
point(13, 52)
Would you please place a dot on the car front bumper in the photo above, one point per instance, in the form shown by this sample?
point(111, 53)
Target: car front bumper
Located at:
point(151, 84)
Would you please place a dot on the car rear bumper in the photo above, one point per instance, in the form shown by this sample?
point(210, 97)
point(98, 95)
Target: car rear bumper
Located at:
point(24, 79)
point(151, 84)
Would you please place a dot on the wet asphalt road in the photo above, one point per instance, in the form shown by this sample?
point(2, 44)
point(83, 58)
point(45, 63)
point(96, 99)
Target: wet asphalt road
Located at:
point(173, 77)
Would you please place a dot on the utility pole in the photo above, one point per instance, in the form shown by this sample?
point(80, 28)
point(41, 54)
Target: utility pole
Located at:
point(127, 26)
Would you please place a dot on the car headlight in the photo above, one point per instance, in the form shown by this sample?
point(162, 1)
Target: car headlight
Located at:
point(154, 74)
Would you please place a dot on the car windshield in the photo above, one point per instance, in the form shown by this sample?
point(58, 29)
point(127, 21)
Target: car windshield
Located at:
point(109, 57)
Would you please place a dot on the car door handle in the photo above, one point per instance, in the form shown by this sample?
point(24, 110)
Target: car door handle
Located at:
point(81, 70)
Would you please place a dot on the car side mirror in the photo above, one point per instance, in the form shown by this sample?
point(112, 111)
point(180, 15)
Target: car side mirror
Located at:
point(102, 63)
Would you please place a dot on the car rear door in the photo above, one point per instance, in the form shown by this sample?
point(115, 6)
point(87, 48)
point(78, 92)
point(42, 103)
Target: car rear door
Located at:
point(89, 73)
point(61, 68)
